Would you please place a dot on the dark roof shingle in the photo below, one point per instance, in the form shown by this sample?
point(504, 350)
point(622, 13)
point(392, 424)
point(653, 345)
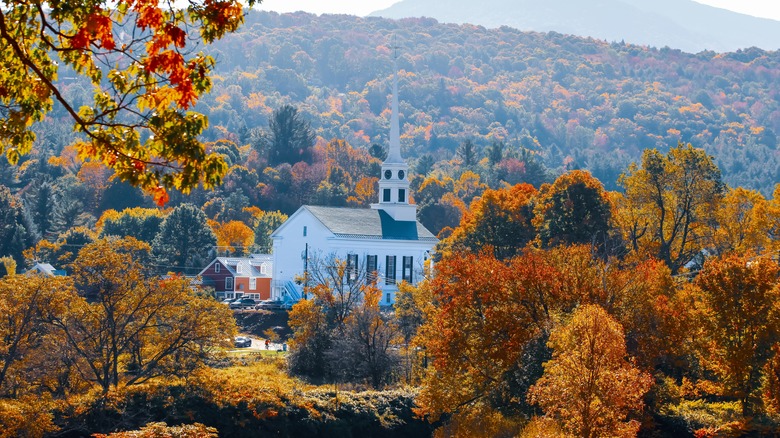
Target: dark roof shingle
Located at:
point(368, 223)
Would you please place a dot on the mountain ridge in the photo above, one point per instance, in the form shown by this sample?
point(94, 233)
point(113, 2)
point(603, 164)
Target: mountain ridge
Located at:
point(680, 24)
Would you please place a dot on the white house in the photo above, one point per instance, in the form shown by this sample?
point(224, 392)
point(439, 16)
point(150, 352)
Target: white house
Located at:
point(46, 270)
point(386, 239)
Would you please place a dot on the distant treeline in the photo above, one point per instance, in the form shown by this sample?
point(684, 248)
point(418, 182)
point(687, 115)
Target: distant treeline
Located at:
point(578, 103)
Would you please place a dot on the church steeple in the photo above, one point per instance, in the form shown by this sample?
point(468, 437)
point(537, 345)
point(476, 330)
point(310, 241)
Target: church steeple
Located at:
point(394, 182)
point(394, 152)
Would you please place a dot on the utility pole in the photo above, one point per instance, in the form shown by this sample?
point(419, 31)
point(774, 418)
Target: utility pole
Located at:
point(305, 270)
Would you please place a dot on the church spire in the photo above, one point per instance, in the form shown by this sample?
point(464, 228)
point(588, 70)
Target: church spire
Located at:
point(393, 182)
point(394, 154)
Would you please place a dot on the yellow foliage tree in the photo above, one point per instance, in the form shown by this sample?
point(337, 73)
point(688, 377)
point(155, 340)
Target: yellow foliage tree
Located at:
point(26, 303)
point(365, 192)
point(743, 222)
point(414, 306)
point(469, 186)
point(26, 416)
point(162, 430)
point(589, 386)
point(773, 211)
point(234, 237)
point(9, 265)
point(140, 223)
point(127, 326)
point(669, 203)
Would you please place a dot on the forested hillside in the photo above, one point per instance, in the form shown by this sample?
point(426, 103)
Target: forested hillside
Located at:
point(576, 103)
point(479, 108)
point(573, 102)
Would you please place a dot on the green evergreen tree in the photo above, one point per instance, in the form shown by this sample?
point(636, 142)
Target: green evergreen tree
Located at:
point(535, 172)
point(69, 244)
point(467, 153)
point(41, 202)
point(185, 242)
point(377, 151)
point(496, 152)
point(141, 227)
point(69, 213)
point(573, 210)
point(290, 137)
point(17, 232)
point(424, 165)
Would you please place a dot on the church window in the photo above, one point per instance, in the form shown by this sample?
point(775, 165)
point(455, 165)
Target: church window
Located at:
point(406, 274)
point(388, 298)
point(390, 270)
point(401, 195)
point(386, 195)
point(304, 231)
point(352, 268)
point(371, 268)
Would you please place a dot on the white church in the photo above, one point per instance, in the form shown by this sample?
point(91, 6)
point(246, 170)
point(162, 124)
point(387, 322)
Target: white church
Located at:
point(386, 239)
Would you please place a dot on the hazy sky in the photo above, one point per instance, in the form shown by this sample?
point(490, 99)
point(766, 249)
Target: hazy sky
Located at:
point(758, 8)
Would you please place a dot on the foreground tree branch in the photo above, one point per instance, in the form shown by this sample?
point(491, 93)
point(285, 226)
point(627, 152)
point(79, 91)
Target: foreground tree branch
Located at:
point(137, 123)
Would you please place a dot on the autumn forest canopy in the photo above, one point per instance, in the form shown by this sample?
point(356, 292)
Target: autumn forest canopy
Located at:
point(607, 214)
point(572, 102)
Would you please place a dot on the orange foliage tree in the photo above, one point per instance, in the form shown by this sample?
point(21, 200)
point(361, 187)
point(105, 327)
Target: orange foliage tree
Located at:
point(739, 321)
point(487, 333)
point(574, 209)
point(500, 219)
point(144, 80)
point(475, 337)
point(589, 386)
point(487, 327)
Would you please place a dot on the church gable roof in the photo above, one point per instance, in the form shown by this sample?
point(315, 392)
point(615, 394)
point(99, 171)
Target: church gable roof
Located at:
point(368, 224)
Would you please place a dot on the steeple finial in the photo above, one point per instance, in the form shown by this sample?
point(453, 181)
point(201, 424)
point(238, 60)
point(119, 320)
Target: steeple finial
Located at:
point(394, 153)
